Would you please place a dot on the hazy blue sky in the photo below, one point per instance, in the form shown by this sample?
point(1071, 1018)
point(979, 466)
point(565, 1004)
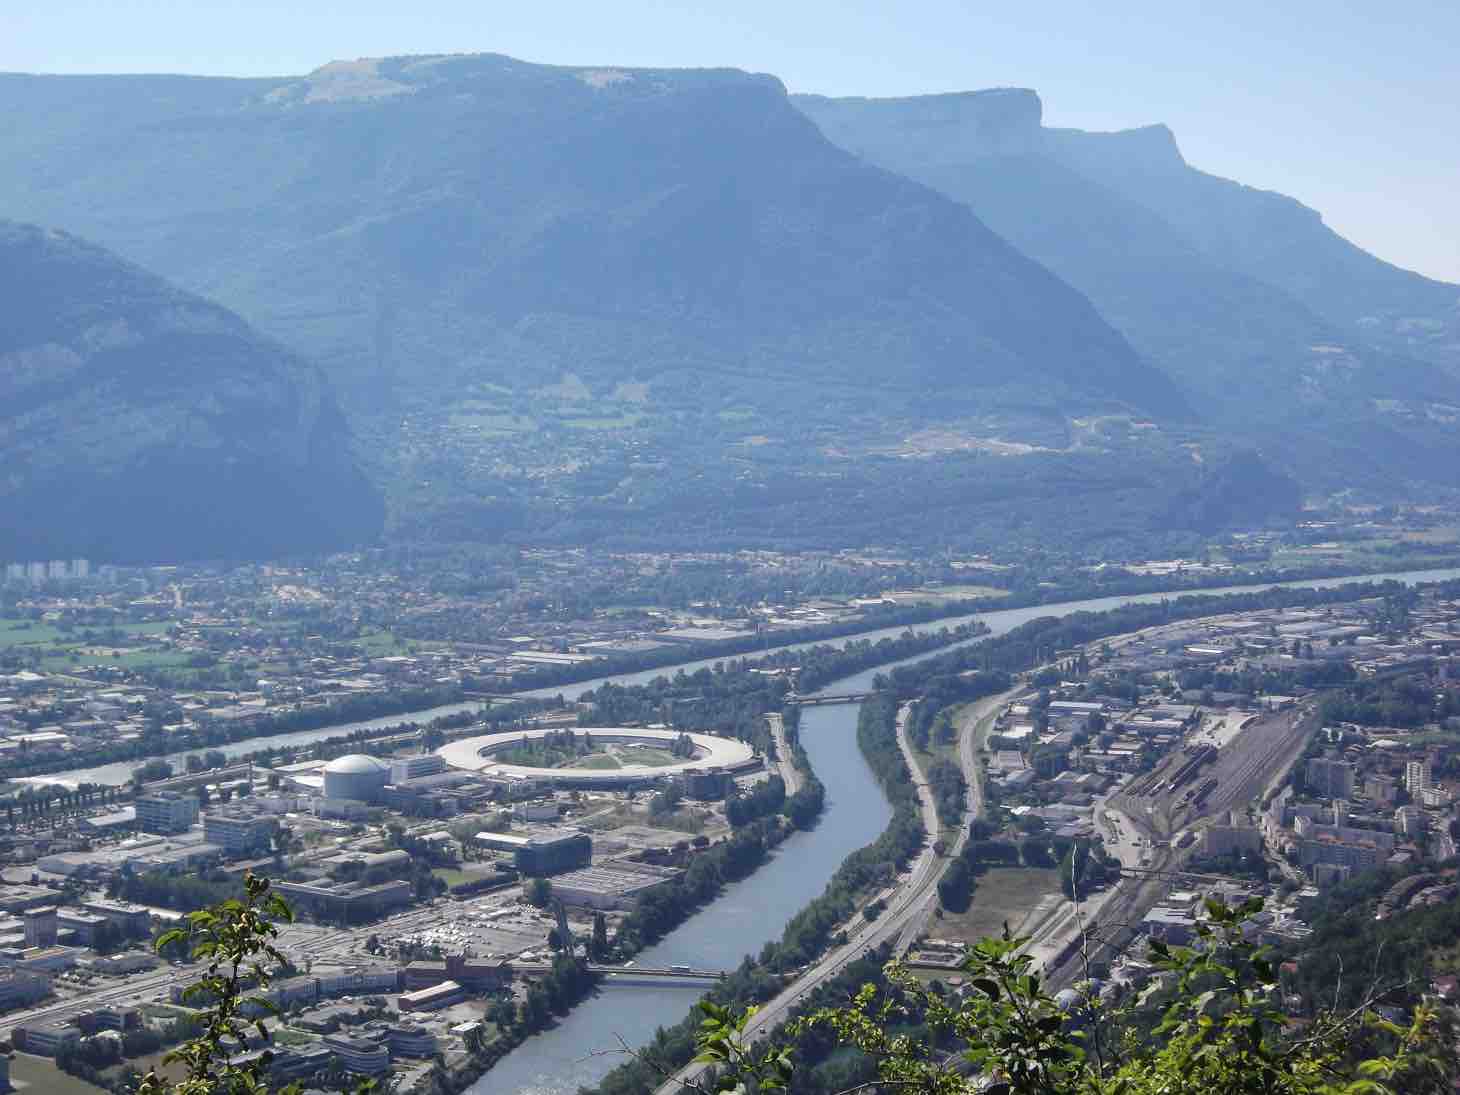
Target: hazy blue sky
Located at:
point(1350, 105)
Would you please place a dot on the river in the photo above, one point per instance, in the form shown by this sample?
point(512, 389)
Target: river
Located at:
point(586, 1044)
point(749, 914)
point(997, 620)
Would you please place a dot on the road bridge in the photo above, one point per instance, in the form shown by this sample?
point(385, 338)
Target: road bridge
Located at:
point(618, 973)
point(188, 780)
point(826, 699)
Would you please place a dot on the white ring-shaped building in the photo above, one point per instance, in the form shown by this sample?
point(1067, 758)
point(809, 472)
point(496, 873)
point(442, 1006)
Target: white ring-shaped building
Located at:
point(476, 755)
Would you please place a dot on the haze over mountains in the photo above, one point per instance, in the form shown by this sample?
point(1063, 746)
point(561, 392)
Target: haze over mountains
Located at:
point(1262, 313)
point(139, 422)
point(562, 301)
point(435, 221)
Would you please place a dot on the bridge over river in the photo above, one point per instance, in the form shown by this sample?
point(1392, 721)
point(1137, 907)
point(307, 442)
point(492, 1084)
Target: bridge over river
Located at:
point(827, 699)
point(634, 974)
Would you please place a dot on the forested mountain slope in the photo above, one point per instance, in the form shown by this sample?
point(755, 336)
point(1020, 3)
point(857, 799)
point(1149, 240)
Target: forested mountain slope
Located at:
point(139, 422)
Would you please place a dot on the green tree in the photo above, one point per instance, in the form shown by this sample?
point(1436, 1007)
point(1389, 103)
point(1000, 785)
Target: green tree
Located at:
point(600, 936)
point(1220, 1035)
point(235, 939)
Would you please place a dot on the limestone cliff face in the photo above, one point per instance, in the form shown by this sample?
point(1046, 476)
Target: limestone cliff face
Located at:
point(951, 128)
point(1263, 314)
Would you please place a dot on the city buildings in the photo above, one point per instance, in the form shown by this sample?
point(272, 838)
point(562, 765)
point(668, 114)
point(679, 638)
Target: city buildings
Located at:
point(166, 812)
point(350, 902)
point(1416, 777)
point(239, 830)
point(358, 1055)
point(40, 926)
point(1329, 778)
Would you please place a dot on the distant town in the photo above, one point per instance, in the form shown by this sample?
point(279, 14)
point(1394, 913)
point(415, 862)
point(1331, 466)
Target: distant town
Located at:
point(464, 859)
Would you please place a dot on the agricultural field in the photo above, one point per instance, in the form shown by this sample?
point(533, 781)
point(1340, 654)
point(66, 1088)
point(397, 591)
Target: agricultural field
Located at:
point(941, 595)
point(1020, 896)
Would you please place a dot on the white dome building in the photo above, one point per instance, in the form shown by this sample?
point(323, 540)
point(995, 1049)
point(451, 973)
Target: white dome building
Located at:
point(356, 777)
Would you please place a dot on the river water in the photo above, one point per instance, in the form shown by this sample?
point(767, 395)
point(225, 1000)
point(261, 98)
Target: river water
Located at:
point(747, 915)
point(586, 1045)
point(998, 621)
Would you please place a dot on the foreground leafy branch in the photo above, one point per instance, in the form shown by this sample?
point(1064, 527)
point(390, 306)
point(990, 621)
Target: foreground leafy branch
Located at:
point(235, 939)
point(1221, 1034)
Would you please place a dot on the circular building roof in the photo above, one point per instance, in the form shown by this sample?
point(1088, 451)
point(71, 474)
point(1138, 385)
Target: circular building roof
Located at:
point(475, 754)
point(355, 764)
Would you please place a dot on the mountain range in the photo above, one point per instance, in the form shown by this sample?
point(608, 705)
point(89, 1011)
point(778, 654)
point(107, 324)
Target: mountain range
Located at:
point(1269, 320)
point(439, 221)
point(560, 302)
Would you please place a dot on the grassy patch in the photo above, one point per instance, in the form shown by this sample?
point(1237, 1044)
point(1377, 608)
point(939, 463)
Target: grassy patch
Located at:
point(453, 877)
point(381, 643)
point(288, 1036)
point(647, 755)
point(597, 760)
point(22, 632)
point(1012, 894)
point(40, 1076)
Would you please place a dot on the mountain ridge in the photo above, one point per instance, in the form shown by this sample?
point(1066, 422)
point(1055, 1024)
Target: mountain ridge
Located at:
point(139, 422)
point(474, 215)
point(1252, 350)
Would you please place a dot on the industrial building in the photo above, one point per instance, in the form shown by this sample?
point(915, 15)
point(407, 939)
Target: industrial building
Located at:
point(133, 920)
point(46, 1039)
point(610, 885)
point(402, 1039)
point(706, 784)
point(145, 853)
point(550, 852)
point(40, 926)
point(429, 999)
point(476, 974)
point(83, 926)
point(358, 1054)
point(239, 830)
point(355, 777)
point(19, 988)
point(166, 812)
point(408, 768)
point(347, 901)
point(437, 794)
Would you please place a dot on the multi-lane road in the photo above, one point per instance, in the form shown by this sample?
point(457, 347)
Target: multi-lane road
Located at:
point(906, 912)
point(899, 921)
point(789, 772)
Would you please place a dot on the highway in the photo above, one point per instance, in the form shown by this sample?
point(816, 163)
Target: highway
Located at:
point(898, 923)
point(789, 772)
point(906, 913)
point(968, 746)
point(144, 988)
